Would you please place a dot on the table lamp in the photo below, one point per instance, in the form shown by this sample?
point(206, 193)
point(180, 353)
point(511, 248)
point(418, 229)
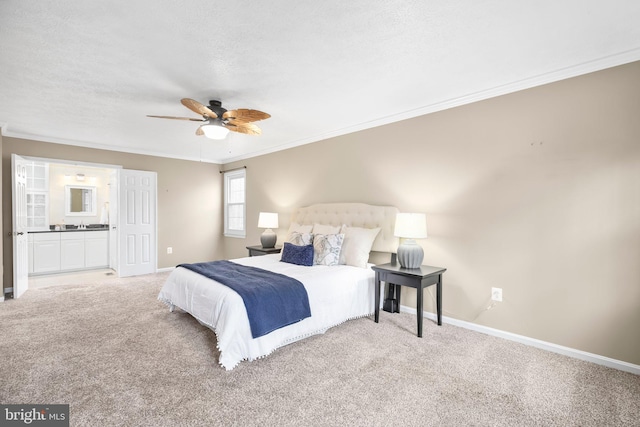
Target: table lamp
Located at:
point(268, 220)
point(410, 226)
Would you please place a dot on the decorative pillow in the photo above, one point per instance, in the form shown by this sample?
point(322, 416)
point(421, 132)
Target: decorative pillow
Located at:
point(301, 239)
point(357, 245)
point(295, 227)
point(326, 248)
point(299, 255)
point(325, 229)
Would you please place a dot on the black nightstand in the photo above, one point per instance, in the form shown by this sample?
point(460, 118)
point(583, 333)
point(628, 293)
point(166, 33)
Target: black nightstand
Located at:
point(418, 278)
point(259, 250)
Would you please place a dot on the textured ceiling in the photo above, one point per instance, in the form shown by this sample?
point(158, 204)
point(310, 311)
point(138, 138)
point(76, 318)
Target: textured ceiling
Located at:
point(87, 73)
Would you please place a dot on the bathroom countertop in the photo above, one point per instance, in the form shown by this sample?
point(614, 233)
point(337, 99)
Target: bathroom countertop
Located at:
point(103, 228)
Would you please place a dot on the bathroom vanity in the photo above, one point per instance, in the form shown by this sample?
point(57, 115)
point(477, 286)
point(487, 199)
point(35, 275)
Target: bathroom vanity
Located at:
point(68, 250)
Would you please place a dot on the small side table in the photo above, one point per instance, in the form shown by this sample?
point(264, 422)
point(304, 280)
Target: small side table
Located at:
point(418, 278)
point(259, 250)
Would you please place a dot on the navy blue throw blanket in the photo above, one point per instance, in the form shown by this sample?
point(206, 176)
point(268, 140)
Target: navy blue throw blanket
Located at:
point(272, 300)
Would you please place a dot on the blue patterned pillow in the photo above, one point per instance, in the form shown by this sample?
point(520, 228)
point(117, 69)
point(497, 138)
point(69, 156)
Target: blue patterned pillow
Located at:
point(299, 255)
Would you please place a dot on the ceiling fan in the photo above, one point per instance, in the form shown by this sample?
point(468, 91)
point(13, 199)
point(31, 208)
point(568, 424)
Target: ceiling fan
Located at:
point(218, 121)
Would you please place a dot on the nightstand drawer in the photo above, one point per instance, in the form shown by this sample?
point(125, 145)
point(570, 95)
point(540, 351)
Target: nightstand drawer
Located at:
point(398, 279)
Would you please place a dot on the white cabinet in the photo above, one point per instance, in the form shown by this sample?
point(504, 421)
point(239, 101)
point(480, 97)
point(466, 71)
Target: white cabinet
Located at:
point(96, 249)
point(56, 251)
point(30, 250)
point(46, 252)
point(38, 176)
point(37, 195)
point(37, 210)
point(72, 250)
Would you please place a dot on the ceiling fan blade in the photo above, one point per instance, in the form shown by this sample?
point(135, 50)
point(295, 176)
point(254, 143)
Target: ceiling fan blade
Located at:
point(177, 118)
point(245, 115)
point(196, 107)
point(199, 131)
point(248, 128)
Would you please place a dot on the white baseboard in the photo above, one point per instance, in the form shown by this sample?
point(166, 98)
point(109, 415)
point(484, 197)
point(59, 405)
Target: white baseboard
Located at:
point(162, 270)
point(566, 351)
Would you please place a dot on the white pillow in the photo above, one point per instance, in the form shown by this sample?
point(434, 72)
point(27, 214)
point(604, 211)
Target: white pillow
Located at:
point(357, 245)
point(326, 248)
point(325, 229)
point(300, 239)
point(295, 227)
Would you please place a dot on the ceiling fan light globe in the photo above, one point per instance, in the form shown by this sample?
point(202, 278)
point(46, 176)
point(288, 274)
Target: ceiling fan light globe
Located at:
point(215, 131)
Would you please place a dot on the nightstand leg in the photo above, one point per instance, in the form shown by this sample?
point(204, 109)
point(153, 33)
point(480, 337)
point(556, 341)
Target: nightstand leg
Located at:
point(377, 299)
point(439, 299)
point(398, 292)
point(419, 309)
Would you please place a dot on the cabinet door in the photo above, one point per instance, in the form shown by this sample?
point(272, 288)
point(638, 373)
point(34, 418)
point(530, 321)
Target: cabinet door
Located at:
point(30, 240)
point(38, 196)
point(96, 249)
point(38, 210)
point(38, 176)
point(72, 251)
point(46, 256)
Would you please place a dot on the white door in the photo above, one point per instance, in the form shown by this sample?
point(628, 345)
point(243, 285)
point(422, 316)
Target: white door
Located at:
point(137, 223)
point(19, 228)
point(113, 220)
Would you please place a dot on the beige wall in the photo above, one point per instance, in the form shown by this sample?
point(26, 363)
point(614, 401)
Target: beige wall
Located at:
point(189, 199)
point(536, 192)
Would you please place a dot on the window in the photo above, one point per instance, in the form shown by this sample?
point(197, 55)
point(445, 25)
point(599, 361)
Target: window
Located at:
point(234, 203)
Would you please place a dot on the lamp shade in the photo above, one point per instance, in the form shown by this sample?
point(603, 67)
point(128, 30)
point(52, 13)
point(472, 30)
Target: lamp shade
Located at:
point(411, 225)
point(213, 131)
point(268, 220)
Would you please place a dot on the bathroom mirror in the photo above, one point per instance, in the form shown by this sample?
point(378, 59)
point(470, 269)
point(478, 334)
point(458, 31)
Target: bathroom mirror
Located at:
point(80, 200)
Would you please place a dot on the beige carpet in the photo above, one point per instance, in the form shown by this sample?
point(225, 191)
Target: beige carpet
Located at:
point(118, 357)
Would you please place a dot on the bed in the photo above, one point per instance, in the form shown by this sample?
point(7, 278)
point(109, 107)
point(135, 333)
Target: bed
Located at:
point(336, 293)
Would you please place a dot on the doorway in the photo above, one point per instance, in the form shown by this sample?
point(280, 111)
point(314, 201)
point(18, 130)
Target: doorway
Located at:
point(109, 200)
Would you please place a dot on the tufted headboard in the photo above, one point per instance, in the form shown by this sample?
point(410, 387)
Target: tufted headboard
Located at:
point(354, 215)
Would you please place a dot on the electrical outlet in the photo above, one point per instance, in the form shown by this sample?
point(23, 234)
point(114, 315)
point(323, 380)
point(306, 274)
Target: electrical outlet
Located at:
point(496, 294)
point(169, 250)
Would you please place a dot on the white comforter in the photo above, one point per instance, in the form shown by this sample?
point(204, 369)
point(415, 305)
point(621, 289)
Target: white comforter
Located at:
point(336, 294)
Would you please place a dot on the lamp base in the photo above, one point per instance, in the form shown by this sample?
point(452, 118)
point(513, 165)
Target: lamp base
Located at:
point(268, 239)
point(410, 254)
